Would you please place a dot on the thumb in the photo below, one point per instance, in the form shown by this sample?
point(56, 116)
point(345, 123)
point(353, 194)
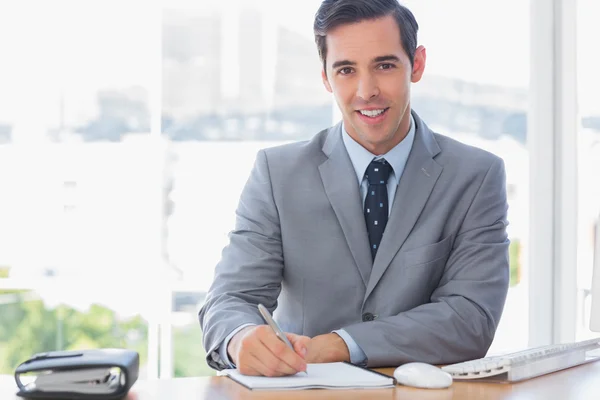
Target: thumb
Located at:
point(299, 342)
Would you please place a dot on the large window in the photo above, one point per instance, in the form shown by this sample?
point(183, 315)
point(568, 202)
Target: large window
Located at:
point(114, 116)
point(80, 205)
point(588, 156)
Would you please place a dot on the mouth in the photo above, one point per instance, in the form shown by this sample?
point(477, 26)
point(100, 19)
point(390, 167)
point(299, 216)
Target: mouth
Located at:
point(373, 116)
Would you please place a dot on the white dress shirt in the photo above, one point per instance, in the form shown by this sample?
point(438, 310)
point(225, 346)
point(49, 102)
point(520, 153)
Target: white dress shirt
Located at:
point(361, 158)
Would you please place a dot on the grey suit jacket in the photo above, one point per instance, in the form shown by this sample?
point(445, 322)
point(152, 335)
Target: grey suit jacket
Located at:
point(434, 293)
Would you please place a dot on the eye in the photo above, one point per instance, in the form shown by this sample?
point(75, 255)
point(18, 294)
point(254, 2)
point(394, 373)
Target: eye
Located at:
point(386, 66)
point(345, 71)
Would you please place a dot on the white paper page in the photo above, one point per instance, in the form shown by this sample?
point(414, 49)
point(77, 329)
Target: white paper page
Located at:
point(327, 376)
point(86, 381)
point(69, 376)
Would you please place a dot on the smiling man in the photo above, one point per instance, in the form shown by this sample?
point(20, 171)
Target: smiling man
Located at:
point(369, 72)
point(379, 241)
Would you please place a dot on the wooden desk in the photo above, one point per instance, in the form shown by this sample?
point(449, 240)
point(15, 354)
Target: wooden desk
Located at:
point(578, 383)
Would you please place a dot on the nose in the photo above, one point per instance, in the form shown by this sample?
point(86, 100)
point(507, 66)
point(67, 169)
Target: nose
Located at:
point(367, 87)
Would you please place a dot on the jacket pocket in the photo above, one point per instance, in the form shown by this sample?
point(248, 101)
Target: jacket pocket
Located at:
point(428, 253)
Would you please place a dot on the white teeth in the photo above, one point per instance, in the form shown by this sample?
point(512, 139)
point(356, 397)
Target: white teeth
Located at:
point(372, 113)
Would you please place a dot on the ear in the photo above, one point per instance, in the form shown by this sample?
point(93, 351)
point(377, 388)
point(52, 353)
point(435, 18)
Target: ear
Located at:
point(326, 81)
point(419, 64)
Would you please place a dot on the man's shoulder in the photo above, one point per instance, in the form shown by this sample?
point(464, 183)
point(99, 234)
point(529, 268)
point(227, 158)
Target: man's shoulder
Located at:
point(299, 150)
point(456, 152)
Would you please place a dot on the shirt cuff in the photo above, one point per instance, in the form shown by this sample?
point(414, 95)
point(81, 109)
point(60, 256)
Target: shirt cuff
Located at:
point(357, 355)
point(223, 347)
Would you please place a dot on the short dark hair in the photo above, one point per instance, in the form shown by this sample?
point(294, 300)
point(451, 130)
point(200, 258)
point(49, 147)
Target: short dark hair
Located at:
point(333, 13)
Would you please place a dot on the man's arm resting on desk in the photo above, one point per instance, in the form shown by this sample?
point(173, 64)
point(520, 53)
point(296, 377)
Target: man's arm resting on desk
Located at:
point(251, 268)
point(460, 321)
point(250, 272)
point(335, 349)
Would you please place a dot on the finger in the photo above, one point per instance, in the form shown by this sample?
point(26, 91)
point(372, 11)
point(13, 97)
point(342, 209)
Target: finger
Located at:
point(282, 352)
point(249, 355)
point(256, 358)
point(274, 362)
point(249, 363)
point(248, 366)
point(268, 365)
point(299, 342)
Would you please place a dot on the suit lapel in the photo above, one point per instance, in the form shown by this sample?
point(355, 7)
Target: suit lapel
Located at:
point(415, 186)
point(343, 192)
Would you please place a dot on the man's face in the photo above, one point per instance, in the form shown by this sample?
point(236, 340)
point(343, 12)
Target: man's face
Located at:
point(369, 74)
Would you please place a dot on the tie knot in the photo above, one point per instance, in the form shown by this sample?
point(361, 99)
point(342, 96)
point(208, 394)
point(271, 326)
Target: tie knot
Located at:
point(378, 172)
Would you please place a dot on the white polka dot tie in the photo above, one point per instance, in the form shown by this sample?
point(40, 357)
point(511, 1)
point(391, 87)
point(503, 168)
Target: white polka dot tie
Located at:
point(376, 202)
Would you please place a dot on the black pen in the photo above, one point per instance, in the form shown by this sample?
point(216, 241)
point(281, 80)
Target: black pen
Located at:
point(278, 332)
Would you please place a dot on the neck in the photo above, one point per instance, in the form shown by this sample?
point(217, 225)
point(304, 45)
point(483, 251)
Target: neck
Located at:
point(379, 149)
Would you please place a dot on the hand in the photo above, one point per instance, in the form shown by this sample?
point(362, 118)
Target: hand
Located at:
point(327, 348)
point(256, 350)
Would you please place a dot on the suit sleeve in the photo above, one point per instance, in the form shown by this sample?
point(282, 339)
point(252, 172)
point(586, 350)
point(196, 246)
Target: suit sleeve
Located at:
point(460, 321)
point(251, 266)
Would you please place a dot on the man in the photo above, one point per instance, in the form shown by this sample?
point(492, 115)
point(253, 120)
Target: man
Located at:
point(378, 242)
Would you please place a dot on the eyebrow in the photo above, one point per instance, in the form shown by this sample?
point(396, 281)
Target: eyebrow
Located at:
point(389, 57)
point(341, 63)
point(344, 63)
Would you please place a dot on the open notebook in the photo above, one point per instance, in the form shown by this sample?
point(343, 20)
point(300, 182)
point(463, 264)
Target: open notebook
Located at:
point(338, 375)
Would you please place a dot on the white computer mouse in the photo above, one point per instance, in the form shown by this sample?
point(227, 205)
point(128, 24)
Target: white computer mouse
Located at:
point(421, 375)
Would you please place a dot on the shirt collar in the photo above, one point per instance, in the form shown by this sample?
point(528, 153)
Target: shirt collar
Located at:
point(396, 157)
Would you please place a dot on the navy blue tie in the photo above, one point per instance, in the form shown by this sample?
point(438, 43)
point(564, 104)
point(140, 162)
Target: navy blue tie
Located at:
point(376, 202)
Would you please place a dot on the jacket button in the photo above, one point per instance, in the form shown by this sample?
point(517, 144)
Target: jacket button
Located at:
point(368, 317)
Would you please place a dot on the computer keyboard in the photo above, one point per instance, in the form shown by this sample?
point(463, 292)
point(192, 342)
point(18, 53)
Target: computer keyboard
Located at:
point(525, 364)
